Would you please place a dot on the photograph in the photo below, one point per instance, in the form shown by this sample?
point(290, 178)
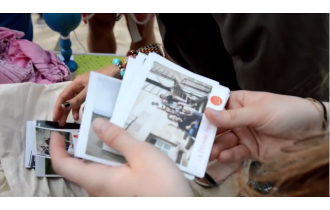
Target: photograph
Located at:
point(55, 125)
point(43, 139)
point(100, 102)
point(94, 145)
point(43, 167)
point(48, 167)
point(168, 112)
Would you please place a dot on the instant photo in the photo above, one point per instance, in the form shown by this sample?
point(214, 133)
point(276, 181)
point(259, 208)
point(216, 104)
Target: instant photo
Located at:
point(44, 167)
point(100, 101)
point(43, 139)
point(168, 112)
point(165, 108)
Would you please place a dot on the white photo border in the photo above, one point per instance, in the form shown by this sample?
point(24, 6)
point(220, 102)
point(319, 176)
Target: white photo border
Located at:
point(202, 148)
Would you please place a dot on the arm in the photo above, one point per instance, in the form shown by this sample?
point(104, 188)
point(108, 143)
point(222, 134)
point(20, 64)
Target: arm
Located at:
point(195, 123)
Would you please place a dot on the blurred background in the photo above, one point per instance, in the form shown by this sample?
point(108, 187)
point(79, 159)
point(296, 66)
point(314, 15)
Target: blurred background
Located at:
point(48, 39)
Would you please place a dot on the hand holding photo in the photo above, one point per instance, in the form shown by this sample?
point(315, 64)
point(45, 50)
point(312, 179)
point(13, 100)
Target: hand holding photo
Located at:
point(43, 139)
point(166, 109)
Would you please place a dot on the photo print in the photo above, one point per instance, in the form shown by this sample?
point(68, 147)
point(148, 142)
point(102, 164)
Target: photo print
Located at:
point(168, 112)
point(43, 139)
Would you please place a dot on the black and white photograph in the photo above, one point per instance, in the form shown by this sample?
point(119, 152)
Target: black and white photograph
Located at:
point(94, 144)
point(168, 111)
point(43, 140)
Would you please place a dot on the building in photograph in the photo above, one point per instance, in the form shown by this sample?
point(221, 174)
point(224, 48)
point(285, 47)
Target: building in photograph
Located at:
point(147, 122)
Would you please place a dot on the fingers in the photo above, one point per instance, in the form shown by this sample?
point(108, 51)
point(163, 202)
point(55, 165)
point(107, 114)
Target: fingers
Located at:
point(76, 101)
point(67, 94)
point(117, 138)
point(232, 118)
point(75, 113)
point(77, 86)
point(223, 142)
point(63, 117)
point(62, 111)
point(235, 154)
point(87, 175)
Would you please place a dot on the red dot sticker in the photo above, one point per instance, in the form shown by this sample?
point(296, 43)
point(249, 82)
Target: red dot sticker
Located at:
point(75, 136)
point(215, 100)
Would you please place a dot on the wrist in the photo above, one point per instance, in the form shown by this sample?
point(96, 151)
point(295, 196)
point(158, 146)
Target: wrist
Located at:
point(111, 71)
point(315, 114)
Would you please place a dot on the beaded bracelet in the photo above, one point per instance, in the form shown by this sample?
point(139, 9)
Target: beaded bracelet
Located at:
point(121, 65)
point(156, 48)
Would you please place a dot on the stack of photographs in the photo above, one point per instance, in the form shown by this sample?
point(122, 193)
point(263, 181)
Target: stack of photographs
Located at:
point(157, 102)
point(37, 155)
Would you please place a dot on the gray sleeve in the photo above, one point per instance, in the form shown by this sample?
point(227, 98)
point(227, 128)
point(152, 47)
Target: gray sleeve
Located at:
point(283, 53)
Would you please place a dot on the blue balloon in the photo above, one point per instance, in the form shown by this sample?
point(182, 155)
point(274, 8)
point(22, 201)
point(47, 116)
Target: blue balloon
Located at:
point(62, 23)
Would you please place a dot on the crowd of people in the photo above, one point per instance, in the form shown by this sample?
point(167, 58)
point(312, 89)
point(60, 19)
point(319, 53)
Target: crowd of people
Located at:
point(271, 63)
point(182, 112)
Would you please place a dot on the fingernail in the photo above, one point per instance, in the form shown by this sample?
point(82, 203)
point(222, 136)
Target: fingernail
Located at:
point(100, 125)
point(215, 113)
point(66, 104)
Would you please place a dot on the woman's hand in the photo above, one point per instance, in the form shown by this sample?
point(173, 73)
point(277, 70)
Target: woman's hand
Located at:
point(74, 95)
point(261, 124)
point(148, 171)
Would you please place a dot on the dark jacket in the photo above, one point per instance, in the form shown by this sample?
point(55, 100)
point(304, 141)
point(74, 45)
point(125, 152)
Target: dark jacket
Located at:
point(279, 53)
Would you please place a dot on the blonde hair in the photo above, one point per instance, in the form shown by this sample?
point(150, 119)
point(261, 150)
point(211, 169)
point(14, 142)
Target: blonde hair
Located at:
point(304, 171)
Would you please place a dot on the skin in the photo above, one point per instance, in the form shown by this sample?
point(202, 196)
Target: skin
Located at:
point(260, 124)
point(132, 179)
point(75, 94)
point(101, 38)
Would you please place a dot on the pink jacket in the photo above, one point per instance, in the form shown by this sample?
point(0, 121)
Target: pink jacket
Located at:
point(24, 61)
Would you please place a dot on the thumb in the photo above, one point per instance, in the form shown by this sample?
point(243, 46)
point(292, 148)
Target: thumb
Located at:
point(116, 138)
point(232, 118)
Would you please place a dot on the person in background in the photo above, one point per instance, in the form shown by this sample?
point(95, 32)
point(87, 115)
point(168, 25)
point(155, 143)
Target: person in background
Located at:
point(101, 38)
point(40, 22)
point(18, 21)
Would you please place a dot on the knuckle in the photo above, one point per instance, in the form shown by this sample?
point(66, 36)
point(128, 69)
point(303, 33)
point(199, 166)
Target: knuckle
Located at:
point(232, 114)
point(112, 134)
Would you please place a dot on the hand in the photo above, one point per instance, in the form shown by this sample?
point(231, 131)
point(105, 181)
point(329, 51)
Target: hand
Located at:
point(261, 124)
point(148, 171)
point(74, 95)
